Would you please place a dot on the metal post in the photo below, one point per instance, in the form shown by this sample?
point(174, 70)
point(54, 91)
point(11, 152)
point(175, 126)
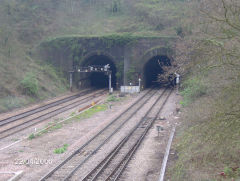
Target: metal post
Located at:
point(110, 82)
point(139, 84)
point(71, 77)
point(177, 81)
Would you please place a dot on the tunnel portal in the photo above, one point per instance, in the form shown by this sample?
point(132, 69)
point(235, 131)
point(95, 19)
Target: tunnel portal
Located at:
point(153, 68)
point(99, 79)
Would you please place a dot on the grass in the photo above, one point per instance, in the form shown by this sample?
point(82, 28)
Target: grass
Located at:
point(54, 74)
point(31, 136)
point(61, 150)
point(20, 33)
point(29, 88)
point(11, 102)
point(55, 125)
point(73, 113)
point(90, 112)
point(113, 98)
point(50, 127)
point(208, 142)
point(192, 89)
point(29, 84)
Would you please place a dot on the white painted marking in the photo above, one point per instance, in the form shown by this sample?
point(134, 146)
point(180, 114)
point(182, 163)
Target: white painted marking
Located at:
point(11, 145)
point(16, 176)
point(48, 127)
point(164, 164)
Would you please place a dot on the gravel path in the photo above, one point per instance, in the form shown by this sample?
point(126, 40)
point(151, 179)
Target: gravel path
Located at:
point(146, 163)
point(107, 148)
point(41, 148)
point(75, 134)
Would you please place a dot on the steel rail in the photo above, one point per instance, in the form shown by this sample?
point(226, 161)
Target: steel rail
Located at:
point(41, 108)
point(48, 175)
point(138, 142)
point(48, 115)
point(95, 173)
point(106, 140)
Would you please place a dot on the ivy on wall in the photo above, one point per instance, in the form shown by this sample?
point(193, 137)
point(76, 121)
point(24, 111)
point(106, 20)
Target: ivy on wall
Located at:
point(118, 40)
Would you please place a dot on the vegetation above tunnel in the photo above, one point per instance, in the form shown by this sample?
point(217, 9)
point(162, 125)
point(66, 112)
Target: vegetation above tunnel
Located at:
point(109, 39)
point(25, 24)
point(208, 52)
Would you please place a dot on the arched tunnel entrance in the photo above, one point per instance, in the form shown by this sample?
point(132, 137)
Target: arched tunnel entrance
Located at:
point(153, 68)
point(99, 79)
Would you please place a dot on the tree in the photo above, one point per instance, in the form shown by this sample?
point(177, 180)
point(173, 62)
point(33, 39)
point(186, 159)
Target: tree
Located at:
point(224, 29)
point(115, 6)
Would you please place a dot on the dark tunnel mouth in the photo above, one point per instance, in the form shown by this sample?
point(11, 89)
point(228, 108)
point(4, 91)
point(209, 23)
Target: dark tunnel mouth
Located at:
point(100, 79)
point(152, 68)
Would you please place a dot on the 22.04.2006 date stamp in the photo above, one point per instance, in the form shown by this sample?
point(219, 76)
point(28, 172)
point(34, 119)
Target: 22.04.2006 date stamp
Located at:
point(32, 161)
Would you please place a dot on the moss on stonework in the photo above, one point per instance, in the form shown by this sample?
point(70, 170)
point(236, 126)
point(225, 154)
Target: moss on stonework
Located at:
point(131, 73)
point(77, 46)
point(108, 40)
point(120, 40)
point(120, 69)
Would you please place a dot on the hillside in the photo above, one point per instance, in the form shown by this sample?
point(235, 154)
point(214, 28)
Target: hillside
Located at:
point(25, 24)
point(207, 144)
point(207, 141)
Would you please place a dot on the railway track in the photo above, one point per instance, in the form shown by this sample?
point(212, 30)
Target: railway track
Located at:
point(6, 129)
point(39, 109)
point(66, 169)
point(111, 168)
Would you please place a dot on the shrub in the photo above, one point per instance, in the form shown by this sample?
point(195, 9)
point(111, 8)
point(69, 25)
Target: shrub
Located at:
point(31, 136)
point(228, 171)
point(55, 75)
point(131, 73)
point(112, 98)
point(29, 84)
point(179, 31)
point(192, 89)
point(238, 172)
point(50, 70)
point(61, 150)
point(11, 102)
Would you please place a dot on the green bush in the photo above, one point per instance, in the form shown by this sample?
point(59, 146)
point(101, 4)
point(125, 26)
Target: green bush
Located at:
point(192, 89)
point(112, 98)
point(238, 172)
point(31, 136)
point(29, 84)
point(50, 70)
point(179, 31)
point(61, 150)
point(56, 75)
point(10, 102)
point(131, 73)
point(228, 171)
point(120, 68)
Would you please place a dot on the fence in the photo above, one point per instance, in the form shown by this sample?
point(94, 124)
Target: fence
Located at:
point(130, 89)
